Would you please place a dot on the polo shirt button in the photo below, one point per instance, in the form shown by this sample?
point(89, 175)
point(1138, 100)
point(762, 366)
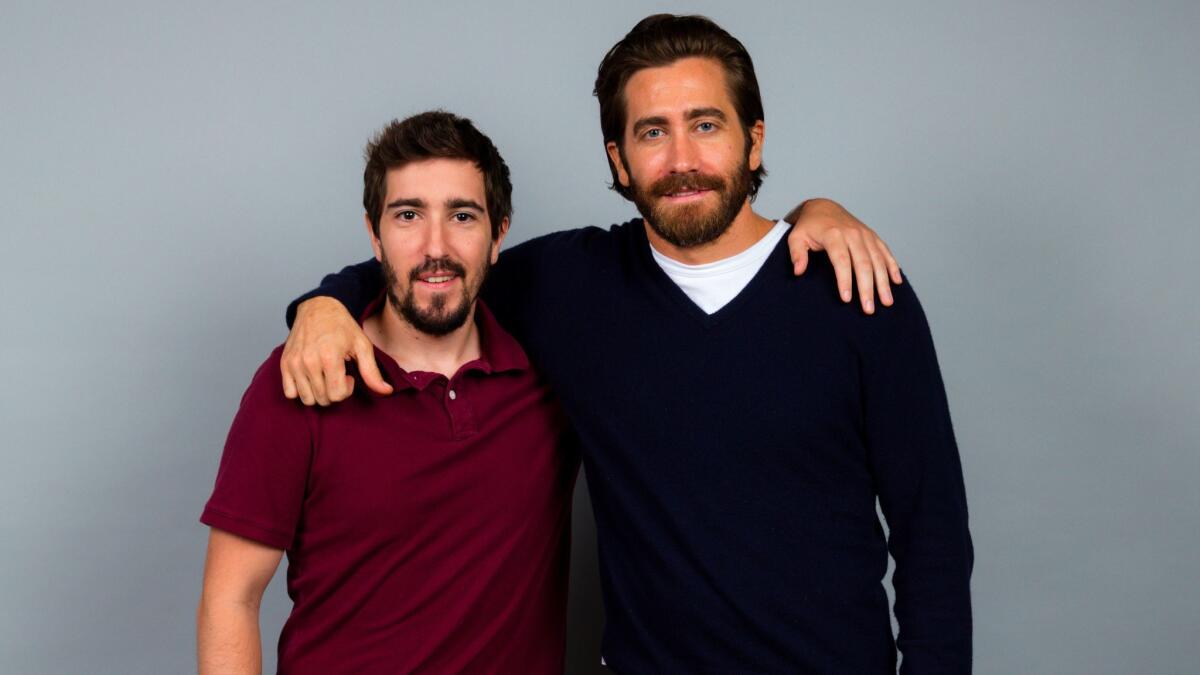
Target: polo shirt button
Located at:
point(453, 395)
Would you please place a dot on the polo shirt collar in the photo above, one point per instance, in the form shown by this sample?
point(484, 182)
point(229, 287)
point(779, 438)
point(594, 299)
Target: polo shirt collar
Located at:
point(498, 351)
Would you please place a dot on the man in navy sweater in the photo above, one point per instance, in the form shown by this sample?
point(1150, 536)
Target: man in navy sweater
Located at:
point(738, 423)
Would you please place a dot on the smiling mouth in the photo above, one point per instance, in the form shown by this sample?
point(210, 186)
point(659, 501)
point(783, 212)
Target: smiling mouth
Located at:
point(438, 280)
point(686, 194)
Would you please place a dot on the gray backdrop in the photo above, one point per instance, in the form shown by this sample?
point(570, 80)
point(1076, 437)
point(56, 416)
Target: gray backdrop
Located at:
point(171, 176)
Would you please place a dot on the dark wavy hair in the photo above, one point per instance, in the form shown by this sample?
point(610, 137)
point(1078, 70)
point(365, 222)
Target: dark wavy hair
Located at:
point(661, 40)
point(429, 135)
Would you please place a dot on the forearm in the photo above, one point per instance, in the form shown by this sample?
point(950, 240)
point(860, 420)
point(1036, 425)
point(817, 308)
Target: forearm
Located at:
point(926, 513)
point(816, 205)
point(925, 506)
point(355, 286)
point(227, 638)
point(933, 594)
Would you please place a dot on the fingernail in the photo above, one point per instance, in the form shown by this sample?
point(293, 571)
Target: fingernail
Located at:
point(845, 296)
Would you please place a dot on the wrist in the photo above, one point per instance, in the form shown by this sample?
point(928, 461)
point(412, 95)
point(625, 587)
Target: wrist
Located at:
point(816, 206)
point(316, 303)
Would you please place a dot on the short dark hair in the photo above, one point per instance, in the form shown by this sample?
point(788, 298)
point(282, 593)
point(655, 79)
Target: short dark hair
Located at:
point(663, 39)
point(429, 135)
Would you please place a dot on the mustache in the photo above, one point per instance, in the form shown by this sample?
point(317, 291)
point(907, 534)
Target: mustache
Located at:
point(434, 265)
point(686, 182)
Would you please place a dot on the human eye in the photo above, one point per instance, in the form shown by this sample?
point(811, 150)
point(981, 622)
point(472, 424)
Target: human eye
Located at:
point(651, 134)
point(406, 215)
point(706, 127)
point(463, 217)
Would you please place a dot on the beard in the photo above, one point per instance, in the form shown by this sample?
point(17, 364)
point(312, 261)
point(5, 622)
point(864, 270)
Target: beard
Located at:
point(692, 225)
point(443, 315)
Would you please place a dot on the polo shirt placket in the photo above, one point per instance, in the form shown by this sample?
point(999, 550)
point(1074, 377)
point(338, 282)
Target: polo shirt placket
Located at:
point(455, 394)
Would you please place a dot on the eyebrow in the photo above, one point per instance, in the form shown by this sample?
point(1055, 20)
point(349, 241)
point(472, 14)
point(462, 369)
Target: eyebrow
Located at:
point(417, 202)
point(694, 113)
point(406, 201)
point(461, 203)
point(705, 112)
point(656, 121)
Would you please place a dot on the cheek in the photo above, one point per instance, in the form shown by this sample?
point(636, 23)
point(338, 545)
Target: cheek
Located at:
point(645, 167)
point(401, 255)
point(472, 248)
point(724, 157)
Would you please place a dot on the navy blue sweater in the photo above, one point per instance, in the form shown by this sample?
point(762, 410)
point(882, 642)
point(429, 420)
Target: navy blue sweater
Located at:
point(734, 459)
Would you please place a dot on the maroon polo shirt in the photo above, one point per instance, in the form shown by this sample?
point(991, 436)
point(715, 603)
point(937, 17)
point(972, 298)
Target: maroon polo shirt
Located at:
point(426, 531)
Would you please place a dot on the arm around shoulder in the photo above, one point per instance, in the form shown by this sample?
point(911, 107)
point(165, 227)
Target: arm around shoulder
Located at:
point(856, 251)
point(355, 286)
point(325, 334)
point(523, 272)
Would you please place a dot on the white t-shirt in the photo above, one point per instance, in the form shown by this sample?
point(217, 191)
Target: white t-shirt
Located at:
point(712, 285)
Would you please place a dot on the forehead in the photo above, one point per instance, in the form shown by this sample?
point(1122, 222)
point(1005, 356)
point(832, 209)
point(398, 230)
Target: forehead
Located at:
point(683, 85)
point(435, 180)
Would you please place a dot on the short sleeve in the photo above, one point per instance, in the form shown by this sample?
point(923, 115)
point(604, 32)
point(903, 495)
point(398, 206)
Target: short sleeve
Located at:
point(261, 481)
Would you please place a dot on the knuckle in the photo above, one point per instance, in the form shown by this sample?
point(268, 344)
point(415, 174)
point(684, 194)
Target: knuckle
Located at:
point(311, 361)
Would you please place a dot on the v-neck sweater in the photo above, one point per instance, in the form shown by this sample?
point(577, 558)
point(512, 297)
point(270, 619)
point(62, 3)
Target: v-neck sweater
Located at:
point(734, 460)
point(711, 285)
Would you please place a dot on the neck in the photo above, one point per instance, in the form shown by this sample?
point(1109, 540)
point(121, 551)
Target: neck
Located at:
point(745, 231)
point(417, 351)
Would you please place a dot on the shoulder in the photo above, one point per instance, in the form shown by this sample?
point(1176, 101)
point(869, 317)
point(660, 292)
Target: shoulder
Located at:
point(268, 372)
point(264, 395)
point(902, 327)
point(819, 277)
point(819, 282)
point(267, 423)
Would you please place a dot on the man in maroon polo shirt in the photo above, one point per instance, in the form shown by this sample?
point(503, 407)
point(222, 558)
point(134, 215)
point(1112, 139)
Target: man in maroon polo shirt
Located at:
point(428, 530)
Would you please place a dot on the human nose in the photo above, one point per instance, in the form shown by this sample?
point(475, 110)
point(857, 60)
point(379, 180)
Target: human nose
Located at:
point(684, 157)
point(435, 241)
